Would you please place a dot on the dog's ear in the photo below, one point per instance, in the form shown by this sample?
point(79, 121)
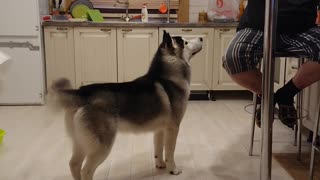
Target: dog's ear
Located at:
point(166, 40)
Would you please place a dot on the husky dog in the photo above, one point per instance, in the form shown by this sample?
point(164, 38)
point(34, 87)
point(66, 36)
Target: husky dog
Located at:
point(155, 102)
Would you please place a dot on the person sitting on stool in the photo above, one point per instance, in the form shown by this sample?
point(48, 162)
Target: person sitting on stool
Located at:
point(296, 31)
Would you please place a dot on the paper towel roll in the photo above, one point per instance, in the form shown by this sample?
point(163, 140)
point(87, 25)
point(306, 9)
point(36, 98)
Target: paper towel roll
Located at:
point(4, 57)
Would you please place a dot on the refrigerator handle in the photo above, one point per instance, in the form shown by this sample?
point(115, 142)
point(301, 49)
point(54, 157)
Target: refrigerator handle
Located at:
point(26, 44)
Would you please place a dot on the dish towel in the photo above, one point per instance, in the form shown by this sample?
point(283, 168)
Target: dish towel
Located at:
point(4, 57)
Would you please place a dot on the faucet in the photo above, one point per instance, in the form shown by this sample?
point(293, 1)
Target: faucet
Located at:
point(168, 11)
point(127, 18)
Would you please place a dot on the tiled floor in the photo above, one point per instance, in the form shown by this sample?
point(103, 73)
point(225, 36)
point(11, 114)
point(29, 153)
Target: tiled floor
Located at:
point(212, 144)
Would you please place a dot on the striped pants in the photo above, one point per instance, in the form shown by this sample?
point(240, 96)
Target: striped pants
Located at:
point(246, 49)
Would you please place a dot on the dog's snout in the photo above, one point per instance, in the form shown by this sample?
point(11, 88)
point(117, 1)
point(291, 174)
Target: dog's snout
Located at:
point(201, 39)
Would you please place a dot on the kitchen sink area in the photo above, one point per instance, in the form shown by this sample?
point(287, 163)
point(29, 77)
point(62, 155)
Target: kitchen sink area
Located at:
point(138, 20)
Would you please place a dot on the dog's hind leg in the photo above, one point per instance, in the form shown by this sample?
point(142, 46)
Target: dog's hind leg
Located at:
point(76, 161)
point(78, 155)
point(94, 159)
point(158, 141)
point(95, 131)
point(171, 135)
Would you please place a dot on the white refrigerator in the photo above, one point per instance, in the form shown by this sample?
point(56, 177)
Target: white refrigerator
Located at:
point(22, 78)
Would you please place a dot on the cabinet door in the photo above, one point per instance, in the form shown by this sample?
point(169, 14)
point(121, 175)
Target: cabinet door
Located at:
point(311, 98)
point(201, 64)
point(279, 73)
point(136, 48)
point(59, 50)
point(291, 68)
point(221, 79)
point(95, 55)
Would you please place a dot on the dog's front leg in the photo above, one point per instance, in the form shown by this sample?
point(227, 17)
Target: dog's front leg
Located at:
point(158, 140)
point(171, 135)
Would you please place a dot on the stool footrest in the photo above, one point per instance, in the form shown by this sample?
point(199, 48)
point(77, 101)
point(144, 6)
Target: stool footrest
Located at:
point(314, 146)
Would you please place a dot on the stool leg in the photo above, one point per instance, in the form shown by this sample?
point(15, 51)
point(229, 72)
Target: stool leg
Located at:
point(313, 153)
point(299, 123)
point(295, 135)
point(300, 111)
point(253, 124)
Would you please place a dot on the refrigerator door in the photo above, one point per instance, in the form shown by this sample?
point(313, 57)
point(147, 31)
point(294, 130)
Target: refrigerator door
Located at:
point(21, 77)
point(19, 18)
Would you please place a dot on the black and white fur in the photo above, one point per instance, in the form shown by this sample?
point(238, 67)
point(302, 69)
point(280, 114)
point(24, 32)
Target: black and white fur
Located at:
point(155, 102)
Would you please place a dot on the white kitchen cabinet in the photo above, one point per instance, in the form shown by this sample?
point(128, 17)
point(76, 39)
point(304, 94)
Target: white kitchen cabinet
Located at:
point(59, 50)
point(136, 49)
point(311, 98)
point(291, 68)
point(201, 64)
point(221, 79)
point(95, 55)
point(279, 73)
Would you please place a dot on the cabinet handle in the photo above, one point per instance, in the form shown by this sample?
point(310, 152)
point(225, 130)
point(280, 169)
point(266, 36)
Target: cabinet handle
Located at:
point(294, 67)
point(62, 29)
point(105, 30)
point(224, 30)
point(186, 30)
point(126, 30)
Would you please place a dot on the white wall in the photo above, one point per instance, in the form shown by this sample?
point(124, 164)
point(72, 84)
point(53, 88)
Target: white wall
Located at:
point(197, 6)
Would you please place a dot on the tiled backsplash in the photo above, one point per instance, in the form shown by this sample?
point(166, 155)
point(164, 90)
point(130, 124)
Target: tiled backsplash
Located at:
point(197, 6)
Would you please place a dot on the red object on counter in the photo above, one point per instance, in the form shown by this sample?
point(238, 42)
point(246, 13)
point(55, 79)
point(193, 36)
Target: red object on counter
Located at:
point(136, 17)
point(46, 18)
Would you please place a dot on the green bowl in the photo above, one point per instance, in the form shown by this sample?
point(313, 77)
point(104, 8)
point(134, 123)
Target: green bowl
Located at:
point(2, 133)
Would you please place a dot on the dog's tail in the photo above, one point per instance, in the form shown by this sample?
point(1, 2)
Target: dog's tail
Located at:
point(61, 95)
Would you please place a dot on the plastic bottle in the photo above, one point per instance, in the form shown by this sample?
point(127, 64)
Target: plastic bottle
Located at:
point(144, 13)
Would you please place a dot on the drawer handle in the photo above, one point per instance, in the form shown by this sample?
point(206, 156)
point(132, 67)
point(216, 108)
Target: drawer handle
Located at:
point(126, 30)
point(61, 29)
point(294, 67)
point(224, 30)
point(186, 30)
point(105, 30)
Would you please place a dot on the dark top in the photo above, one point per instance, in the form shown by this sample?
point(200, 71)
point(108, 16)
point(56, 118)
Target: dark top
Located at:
point(294, 16)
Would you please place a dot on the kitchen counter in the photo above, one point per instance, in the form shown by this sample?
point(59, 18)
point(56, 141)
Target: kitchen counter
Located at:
point(138, 24)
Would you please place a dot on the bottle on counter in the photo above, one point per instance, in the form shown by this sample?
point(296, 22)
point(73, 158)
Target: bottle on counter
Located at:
point(203, 17)
point(144, 13)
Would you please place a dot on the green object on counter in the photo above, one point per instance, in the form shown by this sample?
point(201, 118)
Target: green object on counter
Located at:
point(95, 15)
point(2, 133)
point(80, 11)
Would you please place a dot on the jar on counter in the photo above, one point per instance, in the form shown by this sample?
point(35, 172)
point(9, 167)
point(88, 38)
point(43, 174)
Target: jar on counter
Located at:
point(203, 17)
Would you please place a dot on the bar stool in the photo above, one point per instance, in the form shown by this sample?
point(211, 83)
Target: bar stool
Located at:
point(299, 105)
point(315, 146)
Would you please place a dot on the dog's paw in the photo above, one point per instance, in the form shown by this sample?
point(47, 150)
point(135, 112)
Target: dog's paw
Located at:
point(160, 164)
point(176, 171)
